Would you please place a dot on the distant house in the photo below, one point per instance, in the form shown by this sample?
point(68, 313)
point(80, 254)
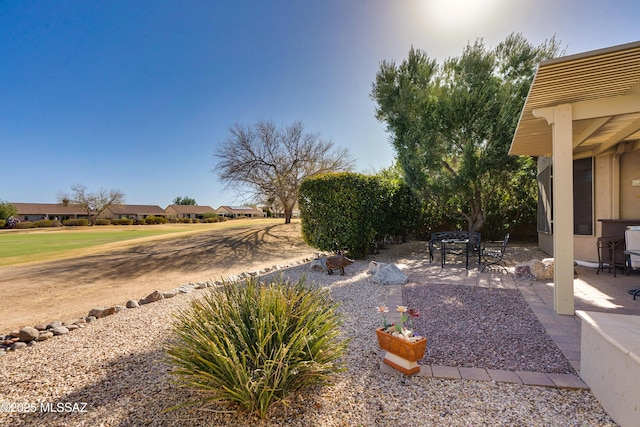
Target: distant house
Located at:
point(40, 211)
point(239, 212)
point(133, 212)
point(189, 211)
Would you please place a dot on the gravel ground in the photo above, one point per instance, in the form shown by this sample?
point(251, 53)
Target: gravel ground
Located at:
point(116, 366)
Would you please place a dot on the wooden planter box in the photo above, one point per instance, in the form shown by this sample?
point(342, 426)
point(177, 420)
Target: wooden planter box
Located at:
point(400, 353)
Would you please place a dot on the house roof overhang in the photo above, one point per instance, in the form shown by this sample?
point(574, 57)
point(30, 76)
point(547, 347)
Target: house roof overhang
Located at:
point(603, 89)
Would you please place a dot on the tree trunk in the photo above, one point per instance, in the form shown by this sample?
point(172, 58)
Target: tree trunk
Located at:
point(288, 212)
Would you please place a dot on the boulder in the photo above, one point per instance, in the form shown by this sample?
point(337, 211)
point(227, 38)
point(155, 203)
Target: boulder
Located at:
point(45, 335)
point(132, 304)
point(375, 266)
point(152, 297)
point(542, 270)
point(101, 312)
point(28, 334)
point(170, 294)
point(18, 345)
point(390, 274)
point(60, 330)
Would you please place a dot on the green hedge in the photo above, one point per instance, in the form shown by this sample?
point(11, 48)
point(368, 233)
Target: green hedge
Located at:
point(76, 222)
point(3, 223)
point(103, 221)
point(155, 220)
point(355, 212)
point(25, 224)
point(122, 221)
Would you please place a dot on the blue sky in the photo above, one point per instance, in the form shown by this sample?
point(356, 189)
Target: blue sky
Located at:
point(136, 95)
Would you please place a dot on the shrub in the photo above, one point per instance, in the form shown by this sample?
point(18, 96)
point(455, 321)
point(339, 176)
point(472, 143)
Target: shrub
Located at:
point(3, 223)
point(43, 223)
point(254, 343)
point(103, 221)
point(76, 222)
point(25, 224)
point(154, 220)
point(212, 219)
point(356, 212)
point(122, 221)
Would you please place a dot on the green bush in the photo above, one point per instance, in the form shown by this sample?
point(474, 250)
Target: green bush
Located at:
point(122, 221)
point(254, 343)
point(356, 212)
point(43, 223)
point(153, 220)
point(25, 224)
point(76, 222)
point(3, 223)
point(212, 219)
point(103, 221)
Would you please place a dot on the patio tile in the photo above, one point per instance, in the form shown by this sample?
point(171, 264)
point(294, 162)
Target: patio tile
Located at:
point(476, 374)
point(450, 372)
point(568, 381)
point(535, 378)
point(425, 371)
point(502, 376)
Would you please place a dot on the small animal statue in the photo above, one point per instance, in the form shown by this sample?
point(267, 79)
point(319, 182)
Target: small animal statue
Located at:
point(337, 261)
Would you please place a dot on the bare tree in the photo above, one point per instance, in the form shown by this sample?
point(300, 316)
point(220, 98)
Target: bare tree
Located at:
point(93, 203)
point(271, 163)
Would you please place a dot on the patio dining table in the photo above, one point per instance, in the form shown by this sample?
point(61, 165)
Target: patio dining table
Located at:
point(634, 292)
point(456, 243)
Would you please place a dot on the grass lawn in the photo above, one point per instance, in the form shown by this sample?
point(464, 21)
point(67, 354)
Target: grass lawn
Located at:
point(18, 246)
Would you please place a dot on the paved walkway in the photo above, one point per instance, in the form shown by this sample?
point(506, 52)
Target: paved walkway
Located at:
point(594, 292)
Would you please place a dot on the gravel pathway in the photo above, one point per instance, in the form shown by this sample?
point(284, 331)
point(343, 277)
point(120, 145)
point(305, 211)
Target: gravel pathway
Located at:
point(116, 366)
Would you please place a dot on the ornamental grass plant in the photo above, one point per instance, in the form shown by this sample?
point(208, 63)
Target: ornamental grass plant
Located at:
point(254, 343)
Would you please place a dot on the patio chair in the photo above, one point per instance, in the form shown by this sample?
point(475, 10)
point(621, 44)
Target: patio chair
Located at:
point(632, 243)
point(493, 253)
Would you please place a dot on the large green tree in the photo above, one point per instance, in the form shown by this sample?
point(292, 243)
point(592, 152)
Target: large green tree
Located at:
point(452, 124)
point(7, 210)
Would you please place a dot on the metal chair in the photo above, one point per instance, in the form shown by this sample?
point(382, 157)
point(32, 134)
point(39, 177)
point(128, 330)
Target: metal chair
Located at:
point(494, 255)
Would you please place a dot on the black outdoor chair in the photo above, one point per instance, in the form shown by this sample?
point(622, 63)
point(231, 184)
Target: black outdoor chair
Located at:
point(492, 254)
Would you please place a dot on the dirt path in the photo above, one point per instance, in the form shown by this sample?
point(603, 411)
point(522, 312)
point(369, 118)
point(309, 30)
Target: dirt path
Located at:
point(69, 288)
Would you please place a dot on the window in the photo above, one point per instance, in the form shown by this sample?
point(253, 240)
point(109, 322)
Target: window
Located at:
point(544, 201)
point(583, 197)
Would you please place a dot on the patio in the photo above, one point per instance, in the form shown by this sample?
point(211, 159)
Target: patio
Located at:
point(593, 292)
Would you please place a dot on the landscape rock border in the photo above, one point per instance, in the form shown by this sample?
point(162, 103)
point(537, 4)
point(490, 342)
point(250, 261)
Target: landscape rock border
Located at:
point(31, 335)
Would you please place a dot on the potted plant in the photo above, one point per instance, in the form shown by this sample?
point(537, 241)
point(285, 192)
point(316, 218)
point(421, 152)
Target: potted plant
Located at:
point(402, 347)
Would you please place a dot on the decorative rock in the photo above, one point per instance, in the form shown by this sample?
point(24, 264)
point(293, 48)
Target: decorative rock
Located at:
point(390, 275)
point(45, 335)
point(523, 271)
point(67, 323)
point(41, 327)
point(28, 334)
point(152, 297)
point(119, 308)
point(18, 345)
point(186, 289)
point(541, 270)
point(101, 312)
point(90, 319)
point(375, 266)
point(72, 327)
point(32, 343)
point(60, 330)
point(170, 294)
point(14, 334)
point(54, 324)
point(200, 285)
point(132, 304)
